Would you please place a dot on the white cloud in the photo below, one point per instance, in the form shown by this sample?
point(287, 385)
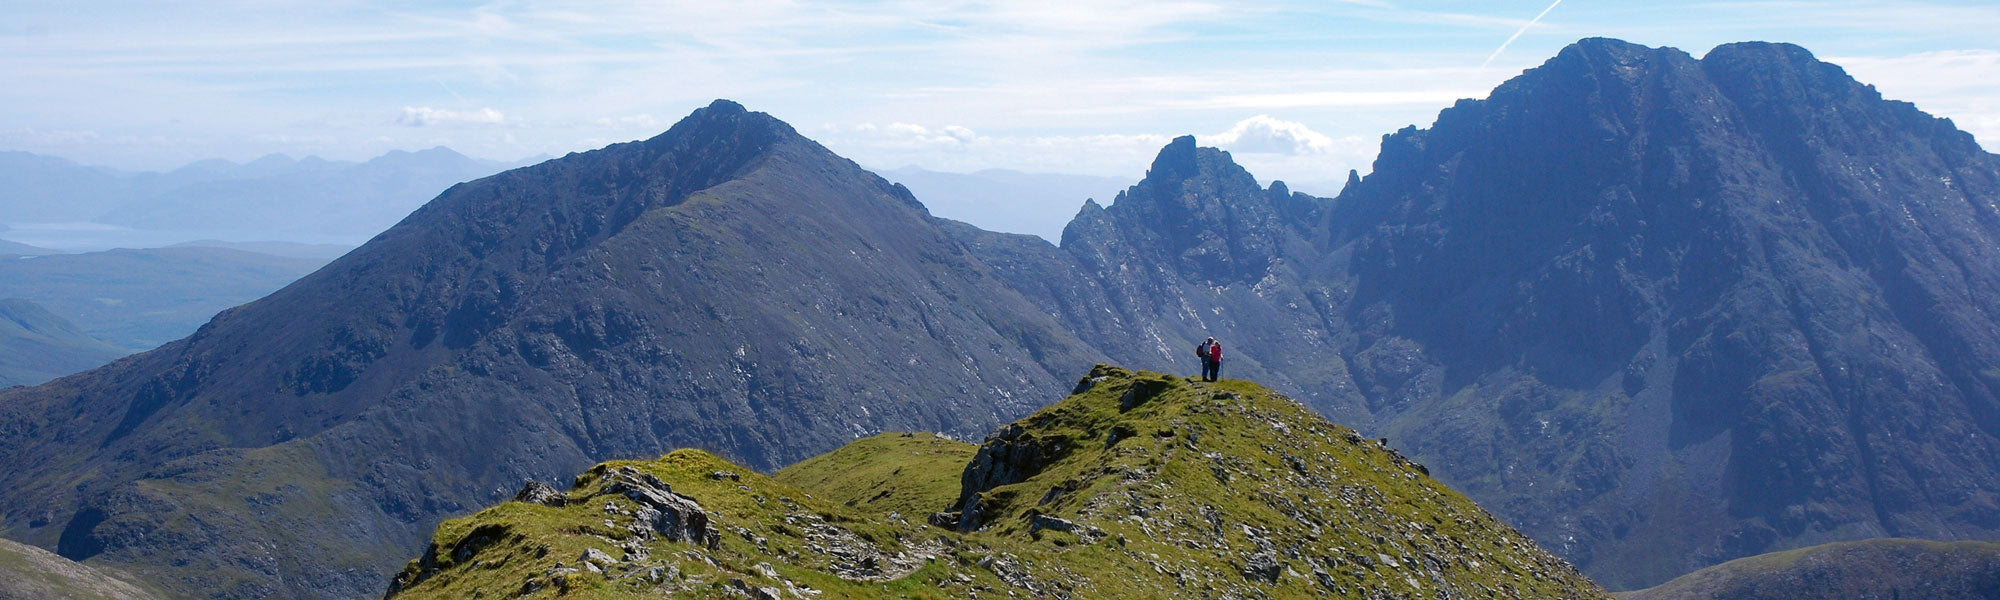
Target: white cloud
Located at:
point(424, 116)
point(957, 148)
point(1263, 134)
point(1963, 85)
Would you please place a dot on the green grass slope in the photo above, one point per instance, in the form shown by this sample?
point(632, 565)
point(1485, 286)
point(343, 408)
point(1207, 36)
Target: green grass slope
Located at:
point(30, 573)
point(1140, 485)
point(912, 474)
point(1900, 569)
point(36, 345)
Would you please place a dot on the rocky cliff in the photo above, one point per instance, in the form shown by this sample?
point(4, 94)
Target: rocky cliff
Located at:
point(1658, 311)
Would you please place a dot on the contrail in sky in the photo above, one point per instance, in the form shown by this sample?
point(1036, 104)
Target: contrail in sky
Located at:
point(1517, 34)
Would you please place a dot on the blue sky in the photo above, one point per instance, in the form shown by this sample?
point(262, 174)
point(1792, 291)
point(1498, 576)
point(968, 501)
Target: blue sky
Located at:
point(1299, 91)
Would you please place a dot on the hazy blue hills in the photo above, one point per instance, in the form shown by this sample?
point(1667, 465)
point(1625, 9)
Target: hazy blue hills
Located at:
point(326, 252)
point(46, 188)
point(20, 249)
point(308, 200)
point(139, 299)
point(351, 200)
point(1007, 201)
point(36, 345)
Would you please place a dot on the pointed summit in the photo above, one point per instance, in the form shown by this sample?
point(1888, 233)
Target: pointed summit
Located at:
point(727, 284)
point(1175, 161)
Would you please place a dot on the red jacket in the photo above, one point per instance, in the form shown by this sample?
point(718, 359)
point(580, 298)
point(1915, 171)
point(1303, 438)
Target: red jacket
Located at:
point(1212, 352)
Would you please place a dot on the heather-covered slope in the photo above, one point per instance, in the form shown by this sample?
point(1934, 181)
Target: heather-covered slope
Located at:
point(715, 286)
point(1140, 485)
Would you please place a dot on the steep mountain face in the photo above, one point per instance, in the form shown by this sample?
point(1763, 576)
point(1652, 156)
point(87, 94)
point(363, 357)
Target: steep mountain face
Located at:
point(1140, 485)
point(713, 287)
point(1664, 312)
point(1196, 249)
point(1883, 569)
point(36, 345)
point(1659, 312)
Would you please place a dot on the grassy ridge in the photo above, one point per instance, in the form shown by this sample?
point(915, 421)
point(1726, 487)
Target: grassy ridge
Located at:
point(1141, 485)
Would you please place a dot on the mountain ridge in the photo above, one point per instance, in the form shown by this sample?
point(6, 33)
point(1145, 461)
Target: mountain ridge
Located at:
point(514, 328)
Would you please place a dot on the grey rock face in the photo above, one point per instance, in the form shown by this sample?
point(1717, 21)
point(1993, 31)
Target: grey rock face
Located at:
point(662, 512)
point(1626, 274)
point(536, 492)
point(1010, 455)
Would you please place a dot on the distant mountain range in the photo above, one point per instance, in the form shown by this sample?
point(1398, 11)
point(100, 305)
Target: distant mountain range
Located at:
point(322, 252)
point(1656, 311)
point(275, 197)
point(139, 299)
point(19, 249)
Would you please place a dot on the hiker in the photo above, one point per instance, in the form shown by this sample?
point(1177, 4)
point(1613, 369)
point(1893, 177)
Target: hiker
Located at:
point(1210, 353)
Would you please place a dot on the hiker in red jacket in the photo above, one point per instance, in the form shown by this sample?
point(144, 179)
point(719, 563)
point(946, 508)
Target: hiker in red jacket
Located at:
point(1211, 359)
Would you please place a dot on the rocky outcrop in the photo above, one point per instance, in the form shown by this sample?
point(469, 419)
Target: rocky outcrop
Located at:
point(661, 512)
point(1011, 455)
point(536, 492)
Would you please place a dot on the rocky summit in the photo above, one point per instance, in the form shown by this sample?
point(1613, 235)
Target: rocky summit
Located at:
point(1139, 485)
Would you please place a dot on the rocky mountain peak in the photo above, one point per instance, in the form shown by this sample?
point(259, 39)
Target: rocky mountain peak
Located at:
point(724, 128)
point(1196, 209)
